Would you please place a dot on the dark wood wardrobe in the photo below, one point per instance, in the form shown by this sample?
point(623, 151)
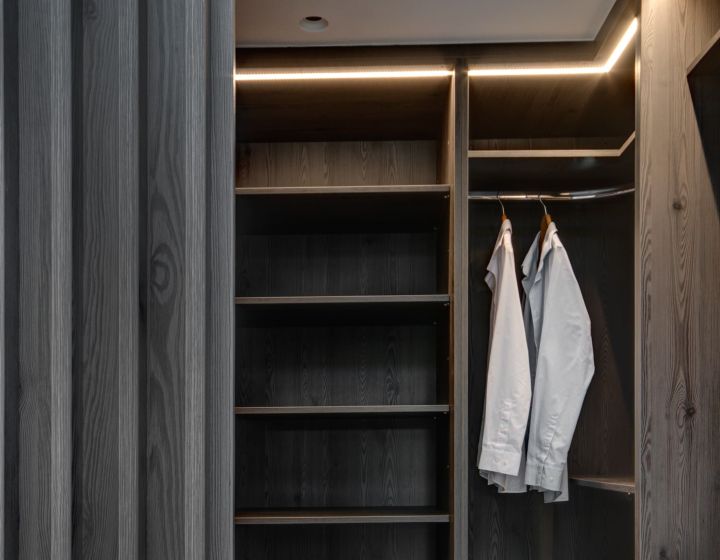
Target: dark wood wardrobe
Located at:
point(247, 319)
point(362, 311)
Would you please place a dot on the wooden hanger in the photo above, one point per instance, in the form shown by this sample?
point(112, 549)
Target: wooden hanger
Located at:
point(504, 217)
point(544, 223)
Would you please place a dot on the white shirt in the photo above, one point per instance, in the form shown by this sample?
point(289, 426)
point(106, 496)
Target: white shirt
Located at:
point(508, 393)
point(561, 355)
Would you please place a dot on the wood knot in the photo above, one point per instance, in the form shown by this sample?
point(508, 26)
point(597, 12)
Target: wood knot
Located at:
point(690, 411)
point(678, 204)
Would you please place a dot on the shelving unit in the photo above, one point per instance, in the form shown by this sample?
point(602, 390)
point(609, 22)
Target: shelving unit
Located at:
point(344, 301)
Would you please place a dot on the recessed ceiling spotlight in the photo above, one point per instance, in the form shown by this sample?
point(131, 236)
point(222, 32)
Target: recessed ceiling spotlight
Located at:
point(313, 24)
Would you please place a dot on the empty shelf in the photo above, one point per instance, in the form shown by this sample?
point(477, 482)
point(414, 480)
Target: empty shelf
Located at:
point(390, 410)
point(360, 309)
point(622, 484)
point(360, 209)
point(341, 516)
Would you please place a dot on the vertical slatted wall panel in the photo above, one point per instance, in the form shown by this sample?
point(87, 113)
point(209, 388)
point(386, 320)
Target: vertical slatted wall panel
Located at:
point(220, 259)
point(106, 384)
point(678, 294)
point(45, 330)
point(176, 288)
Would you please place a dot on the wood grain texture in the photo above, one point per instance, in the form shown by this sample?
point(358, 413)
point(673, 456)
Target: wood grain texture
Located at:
point(45, 296)
point(10, 274)
point(220, 309)
point(338, 264)
point(340, 365)
point(106, 466)
point(287, 164)
point(351, 542)
point(678, 295)
point(176, 314)
point(305, 462)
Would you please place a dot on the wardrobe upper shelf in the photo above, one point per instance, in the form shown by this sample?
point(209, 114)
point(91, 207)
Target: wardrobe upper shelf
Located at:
point(354, 209)
point(342, 310)
point(341, 516)
point(331, 110)
point(554, 170)
point(571, 106)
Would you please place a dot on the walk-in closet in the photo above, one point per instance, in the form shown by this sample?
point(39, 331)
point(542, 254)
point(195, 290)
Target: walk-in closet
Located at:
point(360, 280)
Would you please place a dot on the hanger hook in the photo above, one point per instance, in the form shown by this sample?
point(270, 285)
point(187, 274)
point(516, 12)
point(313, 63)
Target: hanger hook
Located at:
point(497, 196)
point(540, 200)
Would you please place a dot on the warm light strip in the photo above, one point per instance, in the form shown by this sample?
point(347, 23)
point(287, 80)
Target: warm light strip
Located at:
point(260, 76)
point(562, 70)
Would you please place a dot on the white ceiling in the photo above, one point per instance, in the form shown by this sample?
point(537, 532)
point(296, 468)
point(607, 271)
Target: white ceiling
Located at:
point(391, 22)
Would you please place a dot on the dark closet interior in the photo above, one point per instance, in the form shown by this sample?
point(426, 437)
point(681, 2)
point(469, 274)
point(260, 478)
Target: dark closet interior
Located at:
point(365, 219)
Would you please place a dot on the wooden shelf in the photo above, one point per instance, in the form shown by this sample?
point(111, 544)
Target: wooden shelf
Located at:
point(342, 190)
point(341, 209)
point(625, 485)
point(564, 171)
point(371, 410)
point(328, 310)
point(341, 516)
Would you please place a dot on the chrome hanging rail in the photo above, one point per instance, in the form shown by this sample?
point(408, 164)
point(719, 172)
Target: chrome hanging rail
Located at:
point(575, 195)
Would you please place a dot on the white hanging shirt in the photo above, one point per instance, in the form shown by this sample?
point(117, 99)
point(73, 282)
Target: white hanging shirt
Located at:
point(508, 393)
point(561, 356)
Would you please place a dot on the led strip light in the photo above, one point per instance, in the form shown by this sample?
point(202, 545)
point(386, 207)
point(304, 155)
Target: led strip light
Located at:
point(264, 76)
point(512, 71)
point(260, 76)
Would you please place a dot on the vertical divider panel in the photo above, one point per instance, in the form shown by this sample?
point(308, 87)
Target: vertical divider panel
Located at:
point(459, 264)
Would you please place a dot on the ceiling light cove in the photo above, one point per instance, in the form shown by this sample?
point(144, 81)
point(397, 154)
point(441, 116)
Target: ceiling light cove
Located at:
point(511, 71)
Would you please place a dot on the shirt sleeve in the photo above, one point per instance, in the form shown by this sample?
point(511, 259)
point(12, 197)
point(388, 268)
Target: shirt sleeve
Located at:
point(508, 391)
point(565, 366)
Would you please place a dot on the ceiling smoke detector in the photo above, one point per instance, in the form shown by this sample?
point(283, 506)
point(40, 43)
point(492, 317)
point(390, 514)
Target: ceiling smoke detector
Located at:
point(313, 24)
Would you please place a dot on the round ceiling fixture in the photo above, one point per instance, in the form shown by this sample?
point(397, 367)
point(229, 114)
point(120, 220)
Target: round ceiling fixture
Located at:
point(313, 24)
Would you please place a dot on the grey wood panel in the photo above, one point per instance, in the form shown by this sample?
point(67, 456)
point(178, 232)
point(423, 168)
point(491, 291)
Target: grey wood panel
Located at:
point(287, 164)
point(220, 260)
point(10, 273)
point(372, 264)
point(678, 302)
point(340, 365)
point(460, 341)
point(176, 160)
point(350, 542)
point(45, 453)
point(346, 462)
point(106, 367)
